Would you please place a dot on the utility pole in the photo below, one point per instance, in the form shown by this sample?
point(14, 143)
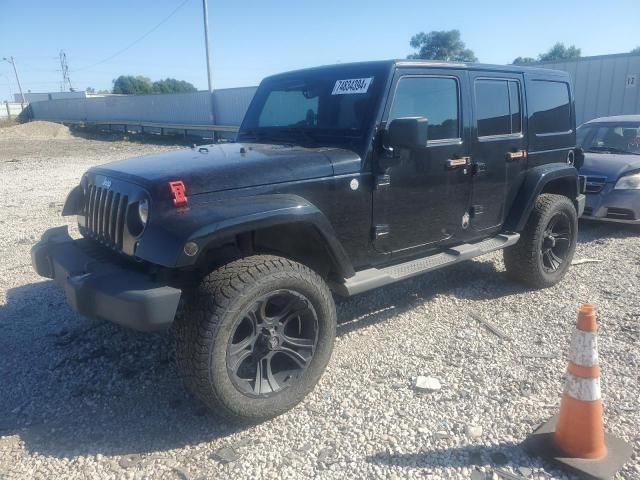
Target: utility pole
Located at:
point(65, 73)
point(205, 14)
point(206, 44)
point(13, 63)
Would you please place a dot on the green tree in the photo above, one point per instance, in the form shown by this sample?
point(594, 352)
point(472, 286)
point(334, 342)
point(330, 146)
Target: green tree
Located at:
point(441, 45)
point(171, 85)
point(556, 53)
point(139, 85)
point(524, 60)
point(635, 50)
point(560, 52)
point(130, 85)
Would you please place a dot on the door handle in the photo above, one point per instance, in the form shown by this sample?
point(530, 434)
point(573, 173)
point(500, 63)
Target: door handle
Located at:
point(458, 162)
point(516, 154)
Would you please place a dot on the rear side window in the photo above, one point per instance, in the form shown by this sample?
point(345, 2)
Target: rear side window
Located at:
point(497, 107)
point(550, 106)
point(435, 98)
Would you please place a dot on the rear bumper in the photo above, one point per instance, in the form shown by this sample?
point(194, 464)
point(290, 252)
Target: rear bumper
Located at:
point(100, 288)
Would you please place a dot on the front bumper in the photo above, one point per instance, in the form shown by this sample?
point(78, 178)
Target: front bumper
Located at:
point(97, 286)
point(610, 205)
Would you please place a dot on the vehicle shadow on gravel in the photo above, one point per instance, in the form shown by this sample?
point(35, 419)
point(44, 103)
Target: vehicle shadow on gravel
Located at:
point(599, 232)
point(475, 280)
point(495, 456)
point(72, 386)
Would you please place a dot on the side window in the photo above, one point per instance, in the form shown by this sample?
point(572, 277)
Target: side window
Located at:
point(498, 107)
point(550, 106)
point(435, 98)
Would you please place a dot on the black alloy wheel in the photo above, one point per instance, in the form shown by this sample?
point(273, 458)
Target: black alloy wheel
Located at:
point(254, 336)
point(272, 344)
point(556, 242)
point(547, 244)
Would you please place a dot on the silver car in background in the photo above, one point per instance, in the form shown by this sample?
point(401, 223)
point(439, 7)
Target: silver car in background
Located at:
point(612, 168)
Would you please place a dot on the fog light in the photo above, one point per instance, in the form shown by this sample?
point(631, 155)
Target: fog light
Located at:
point(190, 249)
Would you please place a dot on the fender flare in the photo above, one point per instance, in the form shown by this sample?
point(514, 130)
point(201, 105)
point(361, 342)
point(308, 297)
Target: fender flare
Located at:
point(533, 185)
point(211, 223)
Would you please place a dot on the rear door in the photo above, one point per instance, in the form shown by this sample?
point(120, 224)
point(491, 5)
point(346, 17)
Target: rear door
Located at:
point(498, 146)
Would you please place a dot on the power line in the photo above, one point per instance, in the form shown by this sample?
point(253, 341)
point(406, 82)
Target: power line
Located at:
point(138, 40)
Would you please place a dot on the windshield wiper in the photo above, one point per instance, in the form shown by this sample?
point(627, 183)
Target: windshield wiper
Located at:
point(275, 134)
point(304, 133)
point(256, 134)
point(599, 149)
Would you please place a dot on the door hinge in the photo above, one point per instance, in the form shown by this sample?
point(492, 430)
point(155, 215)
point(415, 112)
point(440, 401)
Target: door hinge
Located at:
point(380, 231)
point(477, 210)
point(383, 180)
point(478, 168)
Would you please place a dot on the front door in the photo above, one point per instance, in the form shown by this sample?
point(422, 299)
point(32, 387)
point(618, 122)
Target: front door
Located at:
point(498, 146)
point(423, 201)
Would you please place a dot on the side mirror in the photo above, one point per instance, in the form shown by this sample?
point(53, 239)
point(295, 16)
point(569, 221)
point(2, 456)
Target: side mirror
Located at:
point(408, 132)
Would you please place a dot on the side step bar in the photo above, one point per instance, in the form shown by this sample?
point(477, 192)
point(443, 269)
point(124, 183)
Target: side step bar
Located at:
point(374, 277)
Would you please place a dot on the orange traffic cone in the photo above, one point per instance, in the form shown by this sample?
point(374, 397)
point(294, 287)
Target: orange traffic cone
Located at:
point(576, 437)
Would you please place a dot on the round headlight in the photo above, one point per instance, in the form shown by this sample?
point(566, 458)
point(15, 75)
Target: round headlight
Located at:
point(143, 211)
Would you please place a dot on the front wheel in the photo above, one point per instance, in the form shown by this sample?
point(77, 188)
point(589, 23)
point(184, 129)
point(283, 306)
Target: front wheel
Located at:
point(256, 336)
point(544, 252)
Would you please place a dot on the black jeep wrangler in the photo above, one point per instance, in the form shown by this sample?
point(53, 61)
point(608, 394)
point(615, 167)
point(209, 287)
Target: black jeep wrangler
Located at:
point(342, 179)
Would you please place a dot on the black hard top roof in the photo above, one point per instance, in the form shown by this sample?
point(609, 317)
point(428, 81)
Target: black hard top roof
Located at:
point(382, 64)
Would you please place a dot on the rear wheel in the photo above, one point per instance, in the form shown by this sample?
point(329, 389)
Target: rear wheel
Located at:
point(255, 337)
point(547, 244)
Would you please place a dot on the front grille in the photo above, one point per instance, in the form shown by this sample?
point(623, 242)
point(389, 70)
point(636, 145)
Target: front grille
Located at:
point(620, 214)
point(105, 211)
point(595, 184)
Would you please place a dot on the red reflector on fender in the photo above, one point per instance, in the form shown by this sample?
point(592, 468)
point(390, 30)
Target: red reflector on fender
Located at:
point(179, 193)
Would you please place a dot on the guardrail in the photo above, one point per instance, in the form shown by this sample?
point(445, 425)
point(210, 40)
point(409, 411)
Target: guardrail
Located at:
point(219, 112)
point(126, 124)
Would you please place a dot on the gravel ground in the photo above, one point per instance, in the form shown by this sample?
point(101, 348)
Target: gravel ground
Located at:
point(86, 399)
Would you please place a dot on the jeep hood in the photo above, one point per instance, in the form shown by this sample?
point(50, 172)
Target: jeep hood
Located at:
point(229, 166)
point(609, 165)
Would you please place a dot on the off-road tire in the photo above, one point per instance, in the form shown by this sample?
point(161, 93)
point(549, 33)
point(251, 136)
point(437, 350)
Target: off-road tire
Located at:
point(523, 261)
point(205, 324)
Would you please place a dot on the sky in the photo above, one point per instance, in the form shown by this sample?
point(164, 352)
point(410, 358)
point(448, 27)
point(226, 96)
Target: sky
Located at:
point(254, 38)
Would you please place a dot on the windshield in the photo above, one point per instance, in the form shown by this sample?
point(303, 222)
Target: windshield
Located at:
point(321, 105)
point(610, 138)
